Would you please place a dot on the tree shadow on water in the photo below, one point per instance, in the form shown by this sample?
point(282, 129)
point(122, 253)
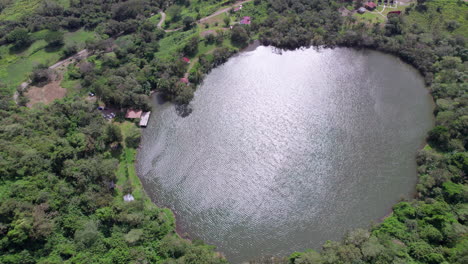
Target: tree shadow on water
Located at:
point(183, 110)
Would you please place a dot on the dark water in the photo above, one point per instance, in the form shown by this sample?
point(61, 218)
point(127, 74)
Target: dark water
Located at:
point(285, 151)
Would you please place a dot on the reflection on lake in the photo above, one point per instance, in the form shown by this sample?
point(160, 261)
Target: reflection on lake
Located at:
point(285, 151)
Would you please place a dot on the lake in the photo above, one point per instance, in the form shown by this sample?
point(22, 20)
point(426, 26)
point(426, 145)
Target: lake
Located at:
point(285, 150)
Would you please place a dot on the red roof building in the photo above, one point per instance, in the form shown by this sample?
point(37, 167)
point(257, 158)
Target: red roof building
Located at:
point(184, 80)
point(187, 60)
point(394, 12)
point(133, 114)
point(370, 5)
point(246, 20)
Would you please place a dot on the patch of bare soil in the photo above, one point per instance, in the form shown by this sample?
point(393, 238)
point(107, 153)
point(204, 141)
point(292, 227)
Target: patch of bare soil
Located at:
point(213, 20)
point(45, 94)
point(344, 11)
point(208, 32)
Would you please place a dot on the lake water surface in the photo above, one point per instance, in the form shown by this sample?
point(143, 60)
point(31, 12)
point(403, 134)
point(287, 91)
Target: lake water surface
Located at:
point(285, 151)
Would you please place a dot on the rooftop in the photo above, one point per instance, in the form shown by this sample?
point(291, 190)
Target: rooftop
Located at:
point(245, 20)
point(370, 5)
point(144, 119)
point(132, 114)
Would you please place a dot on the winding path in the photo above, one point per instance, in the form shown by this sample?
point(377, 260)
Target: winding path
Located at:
point(163, 18)
point(80, 55)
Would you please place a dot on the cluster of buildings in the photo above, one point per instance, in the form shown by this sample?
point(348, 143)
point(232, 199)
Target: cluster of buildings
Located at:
point(245, 20)
point(369, 6)
point(138, 114)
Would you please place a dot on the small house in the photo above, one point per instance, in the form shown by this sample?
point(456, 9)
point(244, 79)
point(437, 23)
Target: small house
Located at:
point(184, 80)
point(185, 59)
point(133, 114)
point(370, 6)
point(246, 20)
point(361, 10)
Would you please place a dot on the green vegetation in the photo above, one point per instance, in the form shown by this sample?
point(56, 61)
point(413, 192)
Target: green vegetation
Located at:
point(440, 16)
point(64, 169)
point(59, 164)
point(15, 10)
point(15, 67)
point(431, 228)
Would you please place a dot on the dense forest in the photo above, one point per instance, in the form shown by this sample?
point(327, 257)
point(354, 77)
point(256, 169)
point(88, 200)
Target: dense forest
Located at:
point(64, 168)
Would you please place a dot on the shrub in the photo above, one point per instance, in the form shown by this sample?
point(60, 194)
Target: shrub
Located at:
point(20, 37)
point(42, 75)
point(54, 38)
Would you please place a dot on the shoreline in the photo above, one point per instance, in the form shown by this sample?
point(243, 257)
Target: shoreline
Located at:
point(157, 100)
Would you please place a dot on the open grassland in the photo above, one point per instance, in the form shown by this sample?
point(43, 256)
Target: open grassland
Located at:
point(173, 42)
point(433, 15)
point(439, 13)
point(18, 9)
point(171, 45)
point(126, 172)
point(379, 15)
point(197, 10)
point(15, 66)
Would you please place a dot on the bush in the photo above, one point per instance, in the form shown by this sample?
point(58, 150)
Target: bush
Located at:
point(188, 22)
point(191, 47)
point(69, 51)
point(54, 38)
point(210, 38)
point(439, 137)
point(227, 21)
point(239, 36)
point(132, 140)
point(72, 23)
point(42, 75)
point(20, 37)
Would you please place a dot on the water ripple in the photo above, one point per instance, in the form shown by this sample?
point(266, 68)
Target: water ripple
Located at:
point(283, 152)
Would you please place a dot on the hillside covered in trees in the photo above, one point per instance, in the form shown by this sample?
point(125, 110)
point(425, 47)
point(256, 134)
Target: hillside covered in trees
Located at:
point(64, 168)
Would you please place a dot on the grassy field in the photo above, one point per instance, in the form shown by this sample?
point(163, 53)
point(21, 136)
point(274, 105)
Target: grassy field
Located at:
point(15, 67)
point(126, 172)
point(155, 19)
point(437, 16)
point(197, 9)
point(18, 9)
point(379, 15)
point(439, 13)
point(175, 41)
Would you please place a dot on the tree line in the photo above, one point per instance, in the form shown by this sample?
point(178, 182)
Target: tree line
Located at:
point(56, 161)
